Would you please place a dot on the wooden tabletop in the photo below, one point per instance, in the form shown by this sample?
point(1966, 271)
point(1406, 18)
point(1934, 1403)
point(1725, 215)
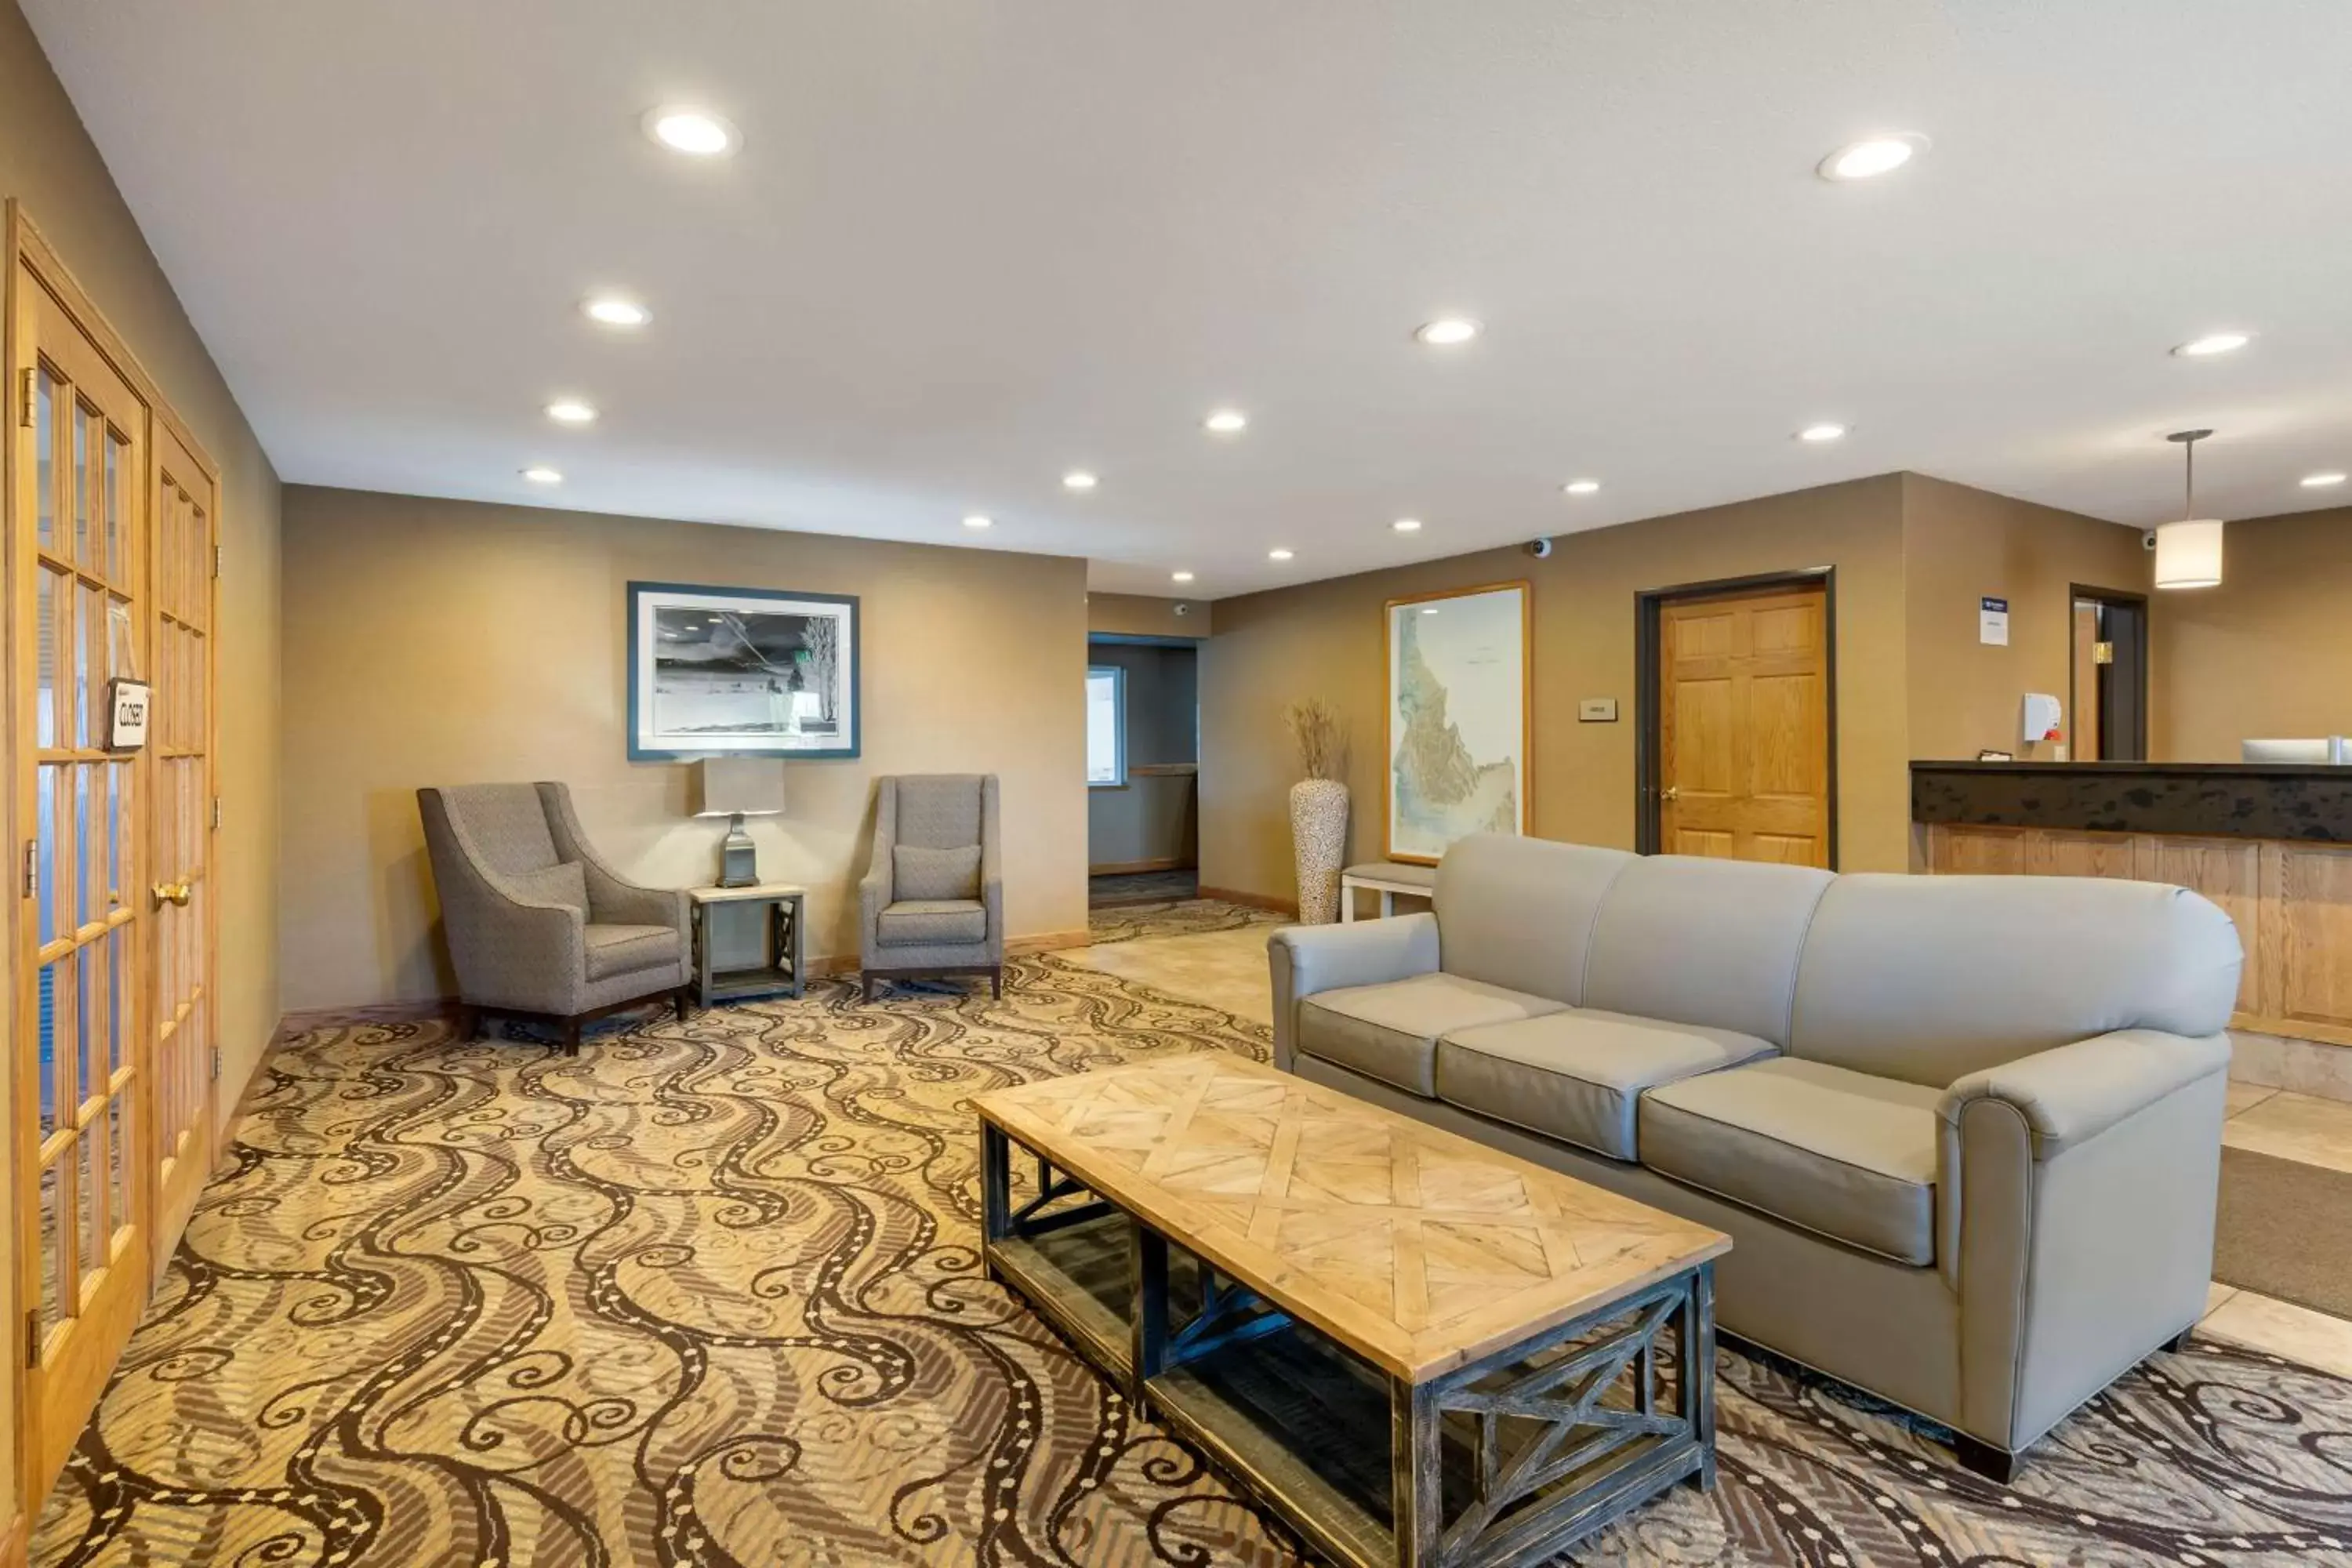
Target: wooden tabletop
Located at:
point(1418, 1249)
point(761, 891)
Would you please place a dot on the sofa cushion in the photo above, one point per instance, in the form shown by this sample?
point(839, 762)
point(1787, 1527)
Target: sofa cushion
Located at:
point(1518, 913)
point(923, 922)
point(1845, 1154)
point(1703, 942)
point(932, 874)
point(565, 882)
point(1577, 1076)
point(625, 949)
point(1390, 1031)
point(1929, 979)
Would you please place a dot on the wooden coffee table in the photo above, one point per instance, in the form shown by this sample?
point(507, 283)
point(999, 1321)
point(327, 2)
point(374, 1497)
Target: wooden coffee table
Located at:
point(1415, 1349)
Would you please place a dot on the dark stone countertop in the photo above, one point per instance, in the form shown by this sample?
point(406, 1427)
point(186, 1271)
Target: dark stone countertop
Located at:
point(2306, 802)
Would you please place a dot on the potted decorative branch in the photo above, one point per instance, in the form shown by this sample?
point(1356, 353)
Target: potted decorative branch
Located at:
point(1318, 809)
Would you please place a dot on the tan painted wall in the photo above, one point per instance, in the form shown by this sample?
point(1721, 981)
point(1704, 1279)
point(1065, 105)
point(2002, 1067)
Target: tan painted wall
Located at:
point(1139, 614)
point(1326, 638)
point(445, 642)
point(1961, 545)
point(2269, 652)
point(49, 163)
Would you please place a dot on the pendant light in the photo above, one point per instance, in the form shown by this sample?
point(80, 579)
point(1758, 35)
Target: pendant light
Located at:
point(2188, 552)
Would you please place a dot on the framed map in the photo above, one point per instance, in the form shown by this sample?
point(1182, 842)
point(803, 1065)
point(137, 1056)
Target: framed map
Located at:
point(1458, 718)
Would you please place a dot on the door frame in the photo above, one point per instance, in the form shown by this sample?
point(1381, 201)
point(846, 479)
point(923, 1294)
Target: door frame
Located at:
point(1648, 607)
point(2075, 593)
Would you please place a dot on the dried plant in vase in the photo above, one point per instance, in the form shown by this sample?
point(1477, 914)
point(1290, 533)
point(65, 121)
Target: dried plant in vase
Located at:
point(1318, 807)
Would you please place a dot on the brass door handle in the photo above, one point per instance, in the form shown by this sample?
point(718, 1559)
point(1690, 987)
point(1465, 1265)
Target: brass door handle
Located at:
point(172, 893)
point(1672, 791)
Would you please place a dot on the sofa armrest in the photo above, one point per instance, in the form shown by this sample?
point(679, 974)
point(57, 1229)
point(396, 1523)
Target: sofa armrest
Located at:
point(2072, 1093)
point(2075, 1200)
point(526, 953)
point(1308, 959)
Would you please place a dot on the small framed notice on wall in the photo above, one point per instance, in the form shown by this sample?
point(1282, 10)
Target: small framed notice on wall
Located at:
point(127, 702)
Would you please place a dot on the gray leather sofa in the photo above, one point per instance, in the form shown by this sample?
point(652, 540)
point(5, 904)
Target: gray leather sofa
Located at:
point(1965, 1131)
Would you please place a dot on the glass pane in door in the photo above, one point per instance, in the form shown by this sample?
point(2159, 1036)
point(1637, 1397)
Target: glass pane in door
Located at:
point(45, 457)
point(81, 480)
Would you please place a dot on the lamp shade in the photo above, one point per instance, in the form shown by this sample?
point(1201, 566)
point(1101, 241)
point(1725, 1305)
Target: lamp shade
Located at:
point(2188, 553)
point(731, 786)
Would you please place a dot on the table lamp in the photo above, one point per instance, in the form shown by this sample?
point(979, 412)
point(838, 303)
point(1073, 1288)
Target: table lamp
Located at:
point(735, 788)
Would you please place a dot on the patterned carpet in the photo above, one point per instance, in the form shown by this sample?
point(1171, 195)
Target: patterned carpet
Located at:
point(1175, 916)
point(707, 1294)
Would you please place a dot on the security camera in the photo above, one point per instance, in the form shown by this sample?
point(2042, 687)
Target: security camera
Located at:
point(1539, 548)
point(2148, 540)
point(1183, 609)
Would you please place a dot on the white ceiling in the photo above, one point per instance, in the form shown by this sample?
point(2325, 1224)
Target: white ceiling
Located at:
point(967, 245)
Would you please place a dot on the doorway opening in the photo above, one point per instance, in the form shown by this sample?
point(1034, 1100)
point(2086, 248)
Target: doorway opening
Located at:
point(1736, 705)
point(1143, 751)
point(2107, 679)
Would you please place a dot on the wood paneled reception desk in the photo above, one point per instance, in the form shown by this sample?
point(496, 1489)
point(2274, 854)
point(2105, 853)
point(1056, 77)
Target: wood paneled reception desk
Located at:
point(2271, 843)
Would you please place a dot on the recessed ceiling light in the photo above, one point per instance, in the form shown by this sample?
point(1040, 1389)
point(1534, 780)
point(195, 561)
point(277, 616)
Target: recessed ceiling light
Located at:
point(615, 310)
point(1823, 432)
point(1447, 331)
point(1277, 554)
point(976, 521)
point(1180, 577)
point(2213, 343)
point(1226, 422)
point(1079, 479)
point(2321, 482)
point(1407, 525)
point(1872, 156)
point(697, 133)
point(1580, 487)
point(543, 476)
point(1429, 609)
point(571, 410)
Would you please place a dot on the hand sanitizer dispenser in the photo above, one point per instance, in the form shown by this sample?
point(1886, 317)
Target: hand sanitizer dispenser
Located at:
point(2041, 717)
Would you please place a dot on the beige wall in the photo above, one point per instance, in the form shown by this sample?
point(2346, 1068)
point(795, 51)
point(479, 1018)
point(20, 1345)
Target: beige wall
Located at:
point(50, 165)
point(1326, 638)
point(1961, 545)
point(445, 642)
point(2269, 652)
point(1139, 614)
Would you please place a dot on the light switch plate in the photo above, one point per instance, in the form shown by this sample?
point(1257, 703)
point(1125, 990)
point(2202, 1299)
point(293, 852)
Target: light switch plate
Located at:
point(1596, 711)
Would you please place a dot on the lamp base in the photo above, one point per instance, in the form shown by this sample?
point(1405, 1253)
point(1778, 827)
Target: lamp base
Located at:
point(739, 861)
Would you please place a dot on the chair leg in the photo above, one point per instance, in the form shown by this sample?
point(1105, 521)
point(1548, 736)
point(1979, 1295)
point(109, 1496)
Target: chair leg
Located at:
point(2179, 1342)
point(681, 998)
point(867, 978)
point(469, 1023)
point(996, 982)
point(571, 1037)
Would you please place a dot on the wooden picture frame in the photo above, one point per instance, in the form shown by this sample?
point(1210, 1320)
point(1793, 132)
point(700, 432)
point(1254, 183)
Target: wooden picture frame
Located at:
point(1499, 642)
point(742, 671)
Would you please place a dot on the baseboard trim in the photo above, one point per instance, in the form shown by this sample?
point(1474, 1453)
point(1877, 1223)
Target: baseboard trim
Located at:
point(821, 966)
point(1135, 868)
point(1251, 901)
point(16, 1544)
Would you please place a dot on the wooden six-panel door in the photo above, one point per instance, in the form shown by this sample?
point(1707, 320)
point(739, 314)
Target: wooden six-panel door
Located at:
point(1743, 740)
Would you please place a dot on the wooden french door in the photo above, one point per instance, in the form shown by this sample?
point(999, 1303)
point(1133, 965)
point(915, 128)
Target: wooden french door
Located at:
point(180, 751)
point(111, 515)
point(79, 573)
point(1743, 740)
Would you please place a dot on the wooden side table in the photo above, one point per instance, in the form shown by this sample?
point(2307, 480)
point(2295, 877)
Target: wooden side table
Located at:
point(781, 967)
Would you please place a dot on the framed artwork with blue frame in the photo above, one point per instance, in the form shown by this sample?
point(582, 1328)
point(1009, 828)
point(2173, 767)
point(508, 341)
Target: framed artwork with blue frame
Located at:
point(757, 671)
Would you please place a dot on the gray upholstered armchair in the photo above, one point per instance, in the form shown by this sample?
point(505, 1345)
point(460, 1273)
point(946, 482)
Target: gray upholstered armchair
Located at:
point(933, 900)
point(538, 926)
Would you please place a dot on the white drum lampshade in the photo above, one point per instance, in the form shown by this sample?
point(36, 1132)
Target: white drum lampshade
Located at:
point(2188, 553)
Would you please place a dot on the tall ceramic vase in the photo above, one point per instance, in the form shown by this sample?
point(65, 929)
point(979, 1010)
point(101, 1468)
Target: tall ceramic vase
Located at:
point(1318, 830)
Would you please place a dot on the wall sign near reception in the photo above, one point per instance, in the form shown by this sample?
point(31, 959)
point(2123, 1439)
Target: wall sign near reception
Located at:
point(1992, 622)
point(741, 670)
point(1458, 718)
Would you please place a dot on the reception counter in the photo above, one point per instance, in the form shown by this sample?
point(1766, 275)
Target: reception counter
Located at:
point(2272, 844)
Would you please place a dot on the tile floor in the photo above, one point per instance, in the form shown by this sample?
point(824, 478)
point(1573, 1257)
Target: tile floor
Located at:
point(1227, 969)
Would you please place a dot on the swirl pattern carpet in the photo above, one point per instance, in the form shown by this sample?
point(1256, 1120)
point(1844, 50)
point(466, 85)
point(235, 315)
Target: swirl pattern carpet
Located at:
point(708, 1294)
